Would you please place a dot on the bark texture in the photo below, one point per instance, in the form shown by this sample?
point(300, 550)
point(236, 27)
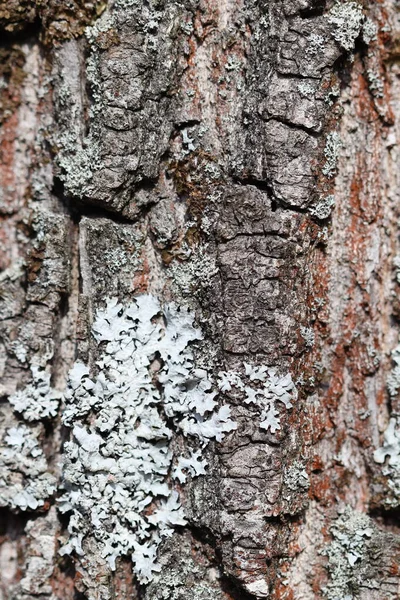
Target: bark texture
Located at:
point(238, 161)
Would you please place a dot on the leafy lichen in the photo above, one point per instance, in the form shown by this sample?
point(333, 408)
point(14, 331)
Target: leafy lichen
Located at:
point(388, 455)
point(25, 481)
point(261, 387)
point(331, 151)
point(351, 535)
point(346, 19)
point(122, 460)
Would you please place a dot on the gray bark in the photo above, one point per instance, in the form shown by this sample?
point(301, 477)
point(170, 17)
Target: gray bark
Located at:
point(227, 172)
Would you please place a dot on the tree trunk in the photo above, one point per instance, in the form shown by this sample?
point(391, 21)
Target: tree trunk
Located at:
point(199, 314)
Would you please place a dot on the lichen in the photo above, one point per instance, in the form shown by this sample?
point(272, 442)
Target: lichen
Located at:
point(315, 46)
point(369, 31)
point(332, 148)
point(351, 535)
point(375, 83)
point(195, 272)
point(122, 460)
point(261, 386)
point(306, 89)
point(393, 381)
point(79, 159)
point(295, 479)
point(308, 336)
point(322, 210)
point(38, 400)
point(25, 482)
point(391, 468)
point(396, 264)
point(346, 19)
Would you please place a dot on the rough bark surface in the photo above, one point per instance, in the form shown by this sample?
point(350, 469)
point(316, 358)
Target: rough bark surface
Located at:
point(238, 158)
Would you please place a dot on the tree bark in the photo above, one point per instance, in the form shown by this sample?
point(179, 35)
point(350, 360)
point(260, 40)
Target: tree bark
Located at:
point(199, 300)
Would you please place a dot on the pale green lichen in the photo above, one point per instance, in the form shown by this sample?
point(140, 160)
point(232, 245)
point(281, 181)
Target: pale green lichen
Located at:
point(331, 151)
point(369, 31)
point(322, 210)
point(122, 460)
point(25, 481)
point(78, 158)
point(194, 273)
point(388, 455)
point(346, 20)
point(351, 536)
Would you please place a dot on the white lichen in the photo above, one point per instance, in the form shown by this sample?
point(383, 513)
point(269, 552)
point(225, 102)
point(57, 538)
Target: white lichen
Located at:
point(369, 31)
point(25, 482)
point(307, 89)
point(122, 460)
point(315, 46)
point(261, 387)
point(332, 148)
point(322, 210)
point(308, 336)
point(346, 19)
point(38, 400)
point(351, 534)
point(375, 83)
point(388, 455)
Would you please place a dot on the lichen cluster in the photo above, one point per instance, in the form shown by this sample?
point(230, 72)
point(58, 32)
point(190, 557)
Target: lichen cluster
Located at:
point(388, 455)
point(137, 426)
point(347, 19)
point(25, 482)
point(262, 387)
point(332, 148)
point(38, 400)
point(323, 208)
point(351, 535)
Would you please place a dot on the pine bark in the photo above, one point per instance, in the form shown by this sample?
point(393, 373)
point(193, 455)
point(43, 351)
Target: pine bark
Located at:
point(239, 159)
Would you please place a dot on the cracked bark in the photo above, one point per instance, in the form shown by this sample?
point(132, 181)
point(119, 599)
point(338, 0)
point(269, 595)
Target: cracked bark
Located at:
point(179, 148)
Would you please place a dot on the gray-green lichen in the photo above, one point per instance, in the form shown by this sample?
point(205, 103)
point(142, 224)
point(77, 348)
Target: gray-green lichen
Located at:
point(25, 480)
point(79, 156)
point(323, 208)
point(347, 554)
point(195, 272)
point(332, 148)
point(388, 455)
point(182, 571)
point(295, 478)
point(138, 426)
point(346, 20)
